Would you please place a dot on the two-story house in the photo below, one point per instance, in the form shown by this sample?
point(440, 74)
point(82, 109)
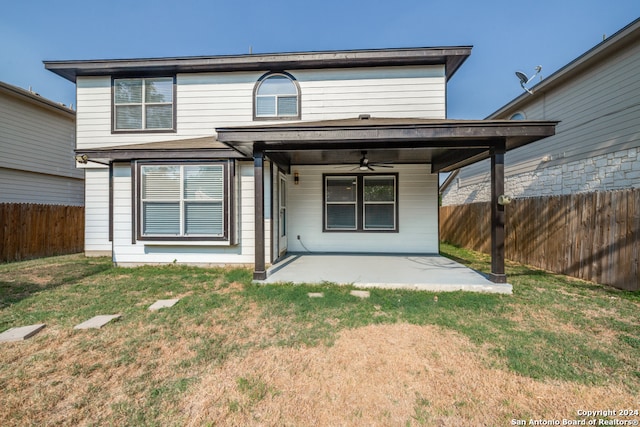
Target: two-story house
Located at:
point(241, 159)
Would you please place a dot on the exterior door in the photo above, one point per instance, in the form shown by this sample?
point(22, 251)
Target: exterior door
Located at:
point(282, 215)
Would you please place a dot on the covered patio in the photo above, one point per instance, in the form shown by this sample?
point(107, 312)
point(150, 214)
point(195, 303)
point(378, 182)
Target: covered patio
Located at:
point(441, 145)
point(389, 271)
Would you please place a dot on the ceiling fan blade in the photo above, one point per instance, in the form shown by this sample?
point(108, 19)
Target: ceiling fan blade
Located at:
point(381, 165)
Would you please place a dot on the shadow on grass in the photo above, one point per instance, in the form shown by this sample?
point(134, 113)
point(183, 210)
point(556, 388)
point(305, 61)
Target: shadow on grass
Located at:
point(22, 280)
point(521, 275)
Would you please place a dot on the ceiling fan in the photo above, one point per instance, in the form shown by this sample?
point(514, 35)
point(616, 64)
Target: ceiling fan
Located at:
point(365, 164)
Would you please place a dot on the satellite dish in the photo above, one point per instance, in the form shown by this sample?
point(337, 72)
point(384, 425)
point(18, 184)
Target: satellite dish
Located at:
point(524, 80)
point(523, 77)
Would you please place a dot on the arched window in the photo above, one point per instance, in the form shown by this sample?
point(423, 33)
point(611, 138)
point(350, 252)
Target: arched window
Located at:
point(517, 116)
point(277, 96)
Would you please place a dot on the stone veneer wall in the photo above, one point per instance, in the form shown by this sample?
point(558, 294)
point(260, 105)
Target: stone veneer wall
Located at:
point(611, 171)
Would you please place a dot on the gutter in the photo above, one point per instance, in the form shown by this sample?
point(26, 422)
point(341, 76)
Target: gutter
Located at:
point(447, 182)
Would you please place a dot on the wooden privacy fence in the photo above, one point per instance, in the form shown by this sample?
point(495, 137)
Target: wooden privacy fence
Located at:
point(31, 231)
point(592, 236)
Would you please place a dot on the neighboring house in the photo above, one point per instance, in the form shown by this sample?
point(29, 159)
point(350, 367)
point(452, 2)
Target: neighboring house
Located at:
point(596, 97)
point(241, 159)
point(37, 142)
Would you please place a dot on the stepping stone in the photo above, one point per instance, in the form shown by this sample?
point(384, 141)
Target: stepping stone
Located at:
point(97, 322)
point(315, 294)
point(163, 303)
point(21, 333)
point(360, 294)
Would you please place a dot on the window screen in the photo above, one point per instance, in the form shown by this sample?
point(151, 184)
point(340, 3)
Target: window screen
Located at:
point(182, 200)
point(143, 104)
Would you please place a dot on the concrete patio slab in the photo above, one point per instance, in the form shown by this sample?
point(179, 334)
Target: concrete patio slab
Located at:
point(163, 303)
point(390, 271)
point(97, 322)
point(21, 333)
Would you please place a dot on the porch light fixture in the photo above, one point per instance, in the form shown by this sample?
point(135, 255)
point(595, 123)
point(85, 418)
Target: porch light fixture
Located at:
point(296, 178)
point(82, 158)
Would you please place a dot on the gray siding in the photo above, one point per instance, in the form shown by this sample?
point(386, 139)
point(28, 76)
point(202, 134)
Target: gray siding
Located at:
point(599, 112)
point(37, 151)
point(36, 139)
point(30, 187)
point(596, 141)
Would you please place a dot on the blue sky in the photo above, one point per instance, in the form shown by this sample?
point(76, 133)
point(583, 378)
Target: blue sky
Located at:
point(507, 35)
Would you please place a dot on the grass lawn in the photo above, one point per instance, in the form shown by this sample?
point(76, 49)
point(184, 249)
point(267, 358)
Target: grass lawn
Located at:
point(235, 353)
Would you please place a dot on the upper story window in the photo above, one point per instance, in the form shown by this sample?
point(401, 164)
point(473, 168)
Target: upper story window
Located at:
point(517, 116)
point(277, 96)
point(143, 104)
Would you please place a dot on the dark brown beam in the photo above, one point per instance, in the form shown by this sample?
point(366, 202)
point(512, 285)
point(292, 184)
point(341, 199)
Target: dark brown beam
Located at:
point(382, 144)
point(111, 202)
point(441, 134)
point(497, 215)
point(124, 154)
point(135, 196)
point(282, 160)
point(452, 56)
point(259, 270)
point(456, 159)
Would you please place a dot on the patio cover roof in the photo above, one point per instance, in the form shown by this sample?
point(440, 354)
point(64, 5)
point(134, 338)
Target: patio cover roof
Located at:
point(192, 148)
point(445, 144)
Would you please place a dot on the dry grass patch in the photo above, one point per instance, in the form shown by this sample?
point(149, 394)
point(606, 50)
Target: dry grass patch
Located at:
point(383, 375)
point(233, 353)
point(231, 288)
point(86, 377)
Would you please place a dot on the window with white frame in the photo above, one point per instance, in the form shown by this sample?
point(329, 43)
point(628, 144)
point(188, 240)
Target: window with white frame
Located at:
point(143, 104)
point(360, 202)
point(276, 96)
point(183, 201)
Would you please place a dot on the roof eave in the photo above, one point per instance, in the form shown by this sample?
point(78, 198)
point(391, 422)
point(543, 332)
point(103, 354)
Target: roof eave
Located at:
point(451, 57)
point(36, 99)
point(454, 134)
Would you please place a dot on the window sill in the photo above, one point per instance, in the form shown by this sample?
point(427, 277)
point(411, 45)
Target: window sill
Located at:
point(276, 118)
point(185, 242)
point(360, 231)
point(141, 131)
